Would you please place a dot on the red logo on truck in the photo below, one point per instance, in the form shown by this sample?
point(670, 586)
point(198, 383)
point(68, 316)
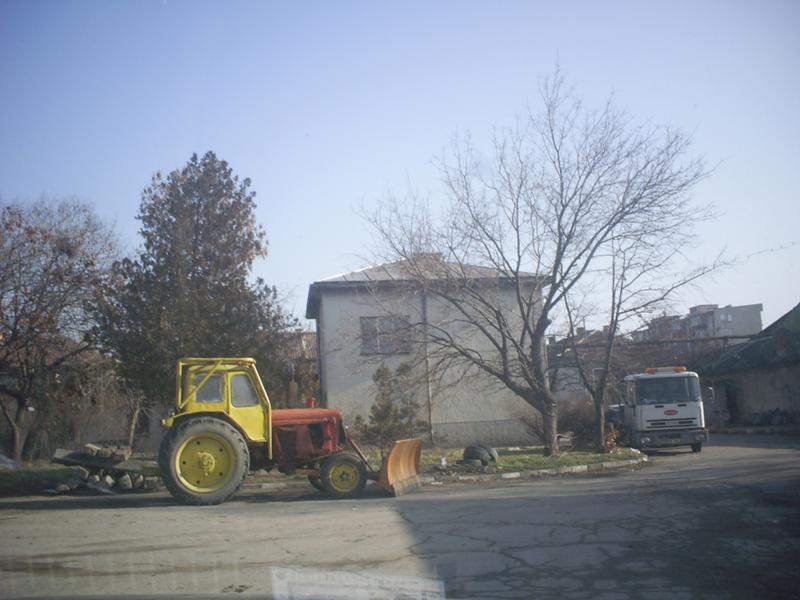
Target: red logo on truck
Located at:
point(671, 412)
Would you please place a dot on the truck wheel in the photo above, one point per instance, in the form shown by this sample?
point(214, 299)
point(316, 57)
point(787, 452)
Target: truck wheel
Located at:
point(316, 483)
point(203, 461)
point(343, 475)
point(697, 447)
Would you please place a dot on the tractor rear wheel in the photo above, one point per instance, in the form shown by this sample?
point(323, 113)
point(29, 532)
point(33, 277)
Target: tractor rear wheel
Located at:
point(343, 475)
point(203, 461)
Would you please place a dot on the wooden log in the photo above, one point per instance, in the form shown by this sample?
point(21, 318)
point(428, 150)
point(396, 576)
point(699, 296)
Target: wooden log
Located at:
point(92, 449)
point(105, 452)
point(122, 453)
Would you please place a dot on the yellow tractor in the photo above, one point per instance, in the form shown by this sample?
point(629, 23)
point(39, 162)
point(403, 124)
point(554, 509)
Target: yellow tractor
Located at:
point(223, 425)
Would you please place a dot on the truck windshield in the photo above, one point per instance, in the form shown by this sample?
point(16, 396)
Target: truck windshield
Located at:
point(668, 390)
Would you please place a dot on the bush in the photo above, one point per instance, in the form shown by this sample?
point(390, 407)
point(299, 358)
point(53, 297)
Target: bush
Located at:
point(393, 415)
point(578, 417)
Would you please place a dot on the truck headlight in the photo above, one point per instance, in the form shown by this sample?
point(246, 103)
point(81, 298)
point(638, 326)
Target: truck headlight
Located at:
point(645, 440)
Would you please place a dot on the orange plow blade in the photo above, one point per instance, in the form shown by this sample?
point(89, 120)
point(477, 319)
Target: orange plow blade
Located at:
point(400, 471)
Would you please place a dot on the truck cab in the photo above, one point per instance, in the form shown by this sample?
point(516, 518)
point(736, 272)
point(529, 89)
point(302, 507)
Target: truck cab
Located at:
point(664, 408)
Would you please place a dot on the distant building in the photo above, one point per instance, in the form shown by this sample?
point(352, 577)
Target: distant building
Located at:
point(566, 383)
point(667, 340)
point(704, 321)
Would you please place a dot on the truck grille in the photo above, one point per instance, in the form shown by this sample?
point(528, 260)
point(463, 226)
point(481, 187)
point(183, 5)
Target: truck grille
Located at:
point(665, 423)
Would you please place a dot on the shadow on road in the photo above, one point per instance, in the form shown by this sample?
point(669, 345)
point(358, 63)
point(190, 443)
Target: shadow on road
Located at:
point(774, 441)
point(650, 539)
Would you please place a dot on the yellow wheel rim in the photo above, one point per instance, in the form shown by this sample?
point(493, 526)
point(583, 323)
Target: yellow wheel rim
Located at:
point(344, 477)
point(205, 463)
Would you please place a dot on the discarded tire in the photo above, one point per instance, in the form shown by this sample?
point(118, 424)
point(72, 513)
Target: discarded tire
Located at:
point(492, 452)
point(477, 453)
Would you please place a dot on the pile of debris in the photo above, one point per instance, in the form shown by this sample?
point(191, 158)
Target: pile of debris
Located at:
point(479, 458)
point(107, 469)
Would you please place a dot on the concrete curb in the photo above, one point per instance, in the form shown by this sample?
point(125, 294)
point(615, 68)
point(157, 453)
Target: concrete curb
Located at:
point(599, 467)
point(758, 430)
point(441, 479)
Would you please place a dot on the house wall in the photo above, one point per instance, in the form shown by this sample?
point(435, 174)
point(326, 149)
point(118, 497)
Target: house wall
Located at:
point(465, 408)
point(756, 397)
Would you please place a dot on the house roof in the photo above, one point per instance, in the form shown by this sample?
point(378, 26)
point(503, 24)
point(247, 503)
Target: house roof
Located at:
point(427, 266)
point(776, 346)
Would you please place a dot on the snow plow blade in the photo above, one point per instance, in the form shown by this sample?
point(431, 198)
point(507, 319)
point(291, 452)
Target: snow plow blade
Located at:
point(399, 473)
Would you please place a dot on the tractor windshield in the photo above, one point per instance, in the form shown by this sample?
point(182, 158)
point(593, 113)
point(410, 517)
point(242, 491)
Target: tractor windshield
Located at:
point(667, 390)
point(209, 393)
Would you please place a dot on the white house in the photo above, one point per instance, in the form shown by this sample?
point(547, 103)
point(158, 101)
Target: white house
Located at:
point(364, 319)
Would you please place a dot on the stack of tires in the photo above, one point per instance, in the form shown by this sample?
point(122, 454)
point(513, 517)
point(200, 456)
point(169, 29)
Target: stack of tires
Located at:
point(478, 456)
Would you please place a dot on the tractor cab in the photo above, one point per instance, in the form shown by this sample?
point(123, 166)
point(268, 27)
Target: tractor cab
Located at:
point(224, 386)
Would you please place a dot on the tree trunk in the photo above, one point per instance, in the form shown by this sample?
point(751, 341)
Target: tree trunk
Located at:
point(550, 428)
point(19, 437)
point(599, 424)
point(133, 422)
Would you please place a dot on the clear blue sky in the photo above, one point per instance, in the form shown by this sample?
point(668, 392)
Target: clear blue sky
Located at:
point(328, 105)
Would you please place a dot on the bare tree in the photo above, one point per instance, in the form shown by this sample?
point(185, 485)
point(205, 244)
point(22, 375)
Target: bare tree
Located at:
point(540, 215)
point(85, 401)
point(52, 261)
point(645, 269)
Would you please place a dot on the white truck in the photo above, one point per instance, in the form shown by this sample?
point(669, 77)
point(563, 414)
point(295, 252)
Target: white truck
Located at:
point(663, 408)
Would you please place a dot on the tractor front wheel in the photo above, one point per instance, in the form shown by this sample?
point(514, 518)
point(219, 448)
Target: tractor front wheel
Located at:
point(203, 461)
point(343, 475)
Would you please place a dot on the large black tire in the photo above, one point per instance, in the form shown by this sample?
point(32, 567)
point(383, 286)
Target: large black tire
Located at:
point(316, 483)
point(477, 453)
point(203, 461)
point(492, 452)
point(696, 447)
point(343, 475)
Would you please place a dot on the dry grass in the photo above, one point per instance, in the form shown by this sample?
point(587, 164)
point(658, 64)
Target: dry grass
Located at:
point(519, 460)
point(32, 480)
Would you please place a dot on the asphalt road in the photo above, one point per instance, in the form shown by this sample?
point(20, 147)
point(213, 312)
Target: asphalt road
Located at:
point(724, 523)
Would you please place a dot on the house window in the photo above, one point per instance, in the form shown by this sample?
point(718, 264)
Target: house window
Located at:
point(385, 335)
